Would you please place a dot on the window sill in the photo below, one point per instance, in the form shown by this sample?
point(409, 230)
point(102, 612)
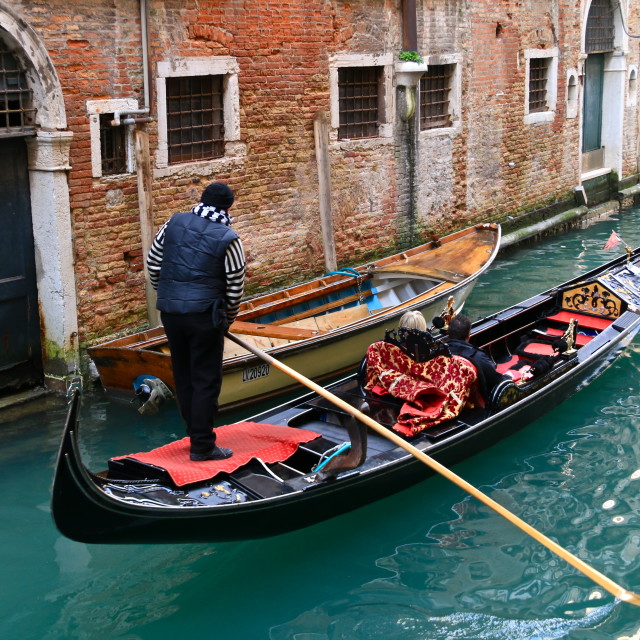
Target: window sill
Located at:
point(235, 155)
point(540, 117)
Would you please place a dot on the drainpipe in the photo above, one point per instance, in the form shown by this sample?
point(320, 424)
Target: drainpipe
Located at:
point(409, 26)
point(407, 79)
point(139, 118)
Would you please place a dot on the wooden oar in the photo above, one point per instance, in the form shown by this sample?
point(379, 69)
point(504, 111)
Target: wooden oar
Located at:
point(600, 579)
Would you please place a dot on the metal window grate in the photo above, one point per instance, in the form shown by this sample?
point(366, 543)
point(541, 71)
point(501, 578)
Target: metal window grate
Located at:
point(435, 86)
point(538, 78)
point(195, 118)
point(113, 148)
point(359, 96)
point(600, 31)
point(17, 116)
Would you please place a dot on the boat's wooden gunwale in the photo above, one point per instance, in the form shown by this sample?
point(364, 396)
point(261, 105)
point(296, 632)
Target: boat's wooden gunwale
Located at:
point(293, 299)
point(307, 291)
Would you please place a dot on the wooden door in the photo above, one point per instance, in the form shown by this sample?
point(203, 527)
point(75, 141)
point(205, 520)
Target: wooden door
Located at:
point(592, 112)
point(20, 346)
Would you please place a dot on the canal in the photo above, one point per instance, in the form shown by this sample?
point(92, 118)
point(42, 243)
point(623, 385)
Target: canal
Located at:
point(430, 563)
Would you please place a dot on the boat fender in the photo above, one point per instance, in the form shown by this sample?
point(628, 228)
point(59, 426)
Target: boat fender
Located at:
point(152, 393)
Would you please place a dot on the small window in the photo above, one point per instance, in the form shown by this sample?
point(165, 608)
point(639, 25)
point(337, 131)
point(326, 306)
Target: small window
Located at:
point(16, 112)
point(435, 103)
point(359, 102)
point(632, 96)
point(113, 146)
point(572, 94)
point(195, 118)
point(541, 85)
point(538, 79)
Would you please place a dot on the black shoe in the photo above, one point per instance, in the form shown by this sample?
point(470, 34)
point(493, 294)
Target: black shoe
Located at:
point(217, 453)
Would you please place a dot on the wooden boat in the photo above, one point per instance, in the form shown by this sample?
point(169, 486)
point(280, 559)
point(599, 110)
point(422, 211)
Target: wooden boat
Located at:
point(320, 328)
point(138, 502)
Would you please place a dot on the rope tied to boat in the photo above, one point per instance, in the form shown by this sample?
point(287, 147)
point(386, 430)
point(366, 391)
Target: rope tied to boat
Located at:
point(354, 273)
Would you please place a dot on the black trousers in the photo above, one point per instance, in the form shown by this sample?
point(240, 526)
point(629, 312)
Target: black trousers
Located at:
point(196, 358)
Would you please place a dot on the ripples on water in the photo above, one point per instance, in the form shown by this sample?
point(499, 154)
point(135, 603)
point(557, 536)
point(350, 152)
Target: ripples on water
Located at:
point(427, 564)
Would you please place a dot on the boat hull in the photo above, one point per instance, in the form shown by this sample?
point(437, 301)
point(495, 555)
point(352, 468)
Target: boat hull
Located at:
point(85, 511)
point(109, 521)
point(320, 357)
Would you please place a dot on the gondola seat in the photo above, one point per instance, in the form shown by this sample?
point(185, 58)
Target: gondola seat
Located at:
point(584, 320)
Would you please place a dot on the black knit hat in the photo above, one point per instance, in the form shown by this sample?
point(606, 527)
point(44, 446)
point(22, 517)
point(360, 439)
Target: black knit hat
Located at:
point(218, 195)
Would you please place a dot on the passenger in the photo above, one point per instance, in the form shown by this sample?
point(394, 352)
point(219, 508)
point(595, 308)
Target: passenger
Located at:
point(413, 320)
point(459, 345)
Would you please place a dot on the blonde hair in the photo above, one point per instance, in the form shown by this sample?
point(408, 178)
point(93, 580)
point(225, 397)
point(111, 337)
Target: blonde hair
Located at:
point(413, 320)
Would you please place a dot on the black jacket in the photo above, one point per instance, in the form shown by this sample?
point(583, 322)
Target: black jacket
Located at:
point(488, 377)
point(192, 276)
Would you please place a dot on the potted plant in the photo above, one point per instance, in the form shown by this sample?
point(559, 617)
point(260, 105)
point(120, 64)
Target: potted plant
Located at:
point(409, 69)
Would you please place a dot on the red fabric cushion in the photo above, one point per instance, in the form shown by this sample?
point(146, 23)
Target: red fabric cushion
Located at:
point(591, 322)
point(270, 443)
point(435, 391)
point(538, 349)
point(504, 366)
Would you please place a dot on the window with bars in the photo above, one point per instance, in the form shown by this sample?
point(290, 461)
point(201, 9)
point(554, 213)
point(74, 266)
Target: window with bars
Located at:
point(195, 118)
point(113, 146)
point(359, 102)
point(17, 115)
point(435, 103)
point(600, 32)
point(538, 80)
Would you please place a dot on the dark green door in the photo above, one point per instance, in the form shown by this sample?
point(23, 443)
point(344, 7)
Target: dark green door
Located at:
point(592, 113)
point(20, 348)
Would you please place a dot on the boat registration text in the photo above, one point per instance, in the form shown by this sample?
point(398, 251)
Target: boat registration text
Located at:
point(253, 373)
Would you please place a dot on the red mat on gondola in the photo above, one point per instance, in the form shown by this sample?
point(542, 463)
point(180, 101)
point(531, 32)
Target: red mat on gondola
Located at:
point(248, 440)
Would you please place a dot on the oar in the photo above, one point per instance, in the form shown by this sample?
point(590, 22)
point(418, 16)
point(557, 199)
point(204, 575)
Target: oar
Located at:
point(600, 579)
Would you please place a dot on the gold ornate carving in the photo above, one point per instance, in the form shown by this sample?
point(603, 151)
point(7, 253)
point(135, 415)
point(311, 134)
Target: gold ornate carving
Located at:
point(592, 298)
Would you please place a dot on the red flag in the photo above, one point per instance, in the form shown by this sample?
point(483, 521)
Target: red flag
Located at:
point(613, 240)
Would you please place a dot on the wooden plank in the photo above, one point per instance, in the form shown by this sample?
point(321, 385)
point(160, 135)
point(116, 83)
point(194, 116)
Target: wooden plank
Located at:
point(340, 318)
point(423, 271)
point(145, 204)
point(321, 136)
point(273, 331)
point(325, 307)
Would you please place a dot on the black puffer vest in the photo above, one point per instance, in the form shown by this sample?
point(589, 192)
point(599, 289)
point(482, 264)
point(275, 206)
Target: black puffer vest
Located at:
point(192, 276)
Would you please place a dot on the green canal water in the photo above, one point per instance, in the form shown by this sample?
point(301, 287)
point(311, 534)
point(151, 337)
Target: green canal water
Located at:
point(427, 564)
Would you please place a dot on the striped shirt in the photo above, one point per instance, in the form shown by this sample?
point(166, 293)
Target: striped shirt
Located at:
point(234, 265)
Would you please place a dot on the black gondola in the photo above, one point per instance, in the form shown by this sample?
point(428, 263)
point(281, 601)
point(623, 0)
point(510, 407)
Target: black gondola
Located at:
point(595, 314)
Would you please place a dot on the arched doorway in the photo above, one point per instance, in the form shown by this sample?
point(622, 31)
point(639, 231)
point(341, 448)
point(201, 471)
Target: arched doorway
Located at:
point(20, 348)
point(604, 89)
point(35, 180)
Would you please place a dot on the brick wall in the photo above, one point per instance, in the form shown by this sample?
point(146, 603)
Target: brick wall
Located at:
point(491, 166)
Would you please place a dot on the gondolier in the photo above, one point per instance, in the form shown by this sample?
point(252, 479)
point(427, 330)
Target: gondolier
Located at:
point(196, 263)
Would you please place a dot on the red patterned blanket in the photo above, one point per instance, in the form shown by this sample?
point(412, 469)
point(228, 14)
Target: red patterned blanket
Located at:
point(434, 391)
